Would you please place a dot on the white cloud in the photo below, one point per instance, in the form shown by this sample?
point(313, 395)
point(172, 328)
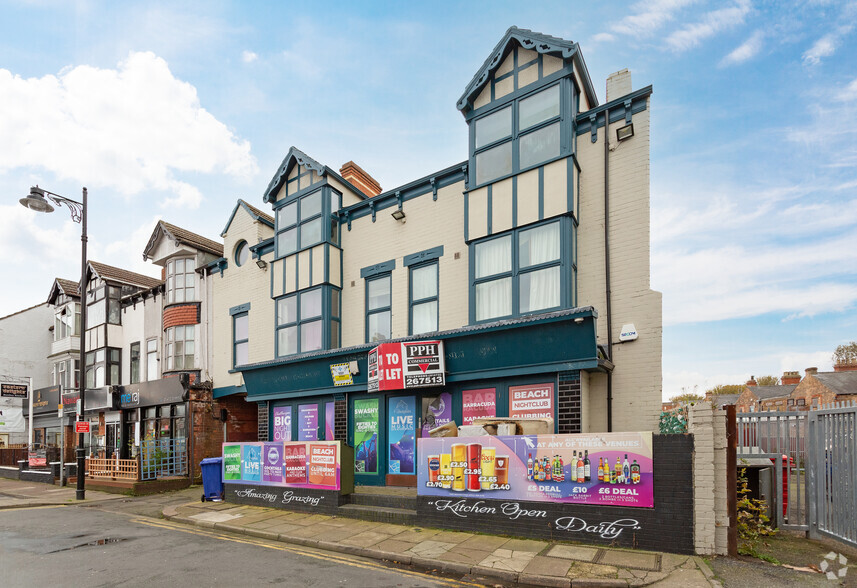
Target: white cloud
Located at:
point(745, 51)
point(829, 43)
point(848, 93)
point(649, 17)
point(798, 362)
point(603, 38)
point(248, 56)
point(711, 23)
point(126, 253)
point(129, 129)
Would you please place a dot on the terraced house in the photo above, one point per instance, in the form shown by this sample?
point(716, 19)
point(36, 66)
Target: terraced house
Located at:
point(517, 280)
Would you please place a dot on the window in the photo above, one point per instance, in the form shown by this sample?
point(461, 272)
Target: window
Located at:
point(151, 360)
point(378, 308)
point(67, 322)
point(103, 367)
point(103, 306)
point(240, 338)
point(518, 273)
point(62, 374)
point(179, 347)
point(242, 253)
point(181, 279)
point(517, 137)
point(423, 304)
point(302, 319)
point(135, 362)
point(299, 224)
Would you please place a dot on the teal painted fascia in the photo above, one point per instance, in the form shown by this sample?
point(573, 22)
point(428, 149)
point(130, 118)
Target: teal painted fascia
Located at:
point(216, 266)
point(262, 248)
point(618, 111)
point(256, 217)
point(294, 156)
point(224, 391)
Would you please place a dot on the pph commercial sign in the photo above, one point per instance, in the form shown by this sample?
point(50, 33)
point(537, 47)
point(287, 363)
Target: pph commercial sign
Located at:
point(402, 366)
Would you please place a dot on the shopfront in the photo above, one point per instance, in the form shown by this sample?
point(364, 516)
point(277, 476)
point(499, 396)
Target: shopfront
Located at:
point(461, 375)
point(47, 426)
point(154, 415)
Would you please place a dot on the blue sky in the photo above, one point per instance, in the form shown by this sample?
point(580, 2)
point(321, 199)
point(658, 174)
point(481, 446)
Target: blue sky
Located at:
point(173, 110)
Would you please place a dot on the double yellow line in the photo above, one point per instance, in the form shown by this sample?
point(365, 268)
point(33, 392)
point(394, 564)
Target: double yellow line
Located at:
point(326, 556)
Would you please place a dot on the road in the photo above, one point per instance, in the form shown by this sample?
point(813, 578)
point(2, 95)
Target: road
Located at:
point(115, 543)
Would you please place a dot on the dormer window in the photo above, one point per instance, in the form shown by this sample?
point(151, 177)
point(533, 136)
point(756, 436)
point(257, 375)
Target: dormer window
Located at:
point(67, 322)
point(181, 280)
point(300, 223)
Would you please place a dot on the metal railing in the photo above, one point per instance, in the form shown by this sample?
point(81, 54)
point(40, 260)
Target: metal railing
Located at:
point(163, 457)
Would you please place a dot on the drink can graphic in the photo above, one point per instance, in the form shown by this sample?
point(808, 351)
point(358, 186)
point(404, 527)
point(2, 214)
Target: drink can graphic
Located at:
point(459, 459)
point(501, 468)
point(488, 455)
point(433, 467)
point(474, 464)
point(445, 470)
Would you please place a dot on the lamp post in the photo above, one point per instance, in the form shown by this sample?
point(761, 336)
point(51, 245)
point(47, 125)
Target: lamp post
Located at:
point(38, 200)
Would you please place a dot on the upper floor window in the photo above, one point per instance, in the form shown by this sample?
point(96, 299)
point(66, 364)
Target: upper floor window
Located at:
point(103, 306)
point(135, 362)
point(242, 253)
point(379, 314)
point(65, 376)
point(67, 322)
point(423, 298)
point(308, 321)
point(240, 338)
point(179, 347)
point(181, 280)
point(151, 360)
point(103, 367)
point(301, 224)
point(519, 273)
point(517, 137)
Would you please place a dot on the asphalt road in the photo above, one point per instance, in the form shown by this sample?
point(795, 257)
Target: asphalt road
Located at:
point(108, 545)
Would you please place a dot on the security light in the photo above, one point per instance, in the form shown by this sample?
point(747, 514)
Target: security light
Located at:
point(625, 132)
point(262, 264)
point(399, 215)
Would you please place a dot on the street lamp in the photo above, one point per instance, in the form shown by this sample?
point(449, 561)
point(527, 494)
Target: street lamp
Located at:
point(38, 200)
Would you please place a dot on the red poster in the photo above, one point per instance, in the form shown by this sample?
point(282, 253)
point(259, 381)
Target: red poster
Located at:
point(295, 463)
point(322, 464)
point(478, 403)
point(535, 402)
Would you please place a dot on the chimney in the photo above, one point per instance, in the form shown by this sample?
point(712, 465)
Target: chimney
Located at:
point(751, 381)
point(811, 371)
point(618, 84)
point(790, 378)
point(354, 174)
point(845, 366)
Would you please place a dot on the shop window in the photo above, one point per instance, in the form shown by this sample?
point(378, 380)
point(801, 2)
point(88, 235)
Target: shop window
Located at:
point(424, 298)
point(180, 347)
point(151, 360)
point(103, 367)
point(240, 338)
point(520, 272)
point(519, 136)
point(135, 362)
point(308, 321)
point(378, 308)
point(67, 322)
point(181, 280)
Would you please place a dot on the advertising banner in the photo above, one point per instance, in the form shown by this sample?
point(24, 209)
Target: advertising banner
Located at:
point(329, 420)
point(404, 366)
point(282, 423)
point(293, 464)
point(366, 429)
point(11, 420)
point(231, 462)
point(402, 417)
point(322, 464)
point(436, 412)
point(272, 465)
point(14, 390)
point(534, 402)
point(308, 422)
point(612, 469)
point(477, 404)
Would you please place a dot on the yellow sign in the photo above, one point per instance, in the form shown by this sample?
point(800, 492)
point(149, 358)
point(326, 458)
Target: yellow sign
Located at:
point(341, 374)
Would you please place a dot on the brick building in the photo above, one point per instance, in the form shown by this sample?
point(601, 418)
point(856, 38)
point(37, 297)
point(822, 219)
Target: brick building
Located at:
point(755, 398)
point(820, 388)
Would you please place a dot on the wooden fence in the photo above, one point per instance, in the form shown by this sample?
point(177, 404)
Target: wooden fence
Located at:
point(113, 469)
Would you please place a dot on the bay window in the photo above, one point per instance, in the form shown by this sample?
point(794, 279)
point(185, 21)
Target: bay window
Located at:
point(301, 223)
point(103, 367)
point(67, 322)
point(307, 321)
point(181, 280)
point(180, 347)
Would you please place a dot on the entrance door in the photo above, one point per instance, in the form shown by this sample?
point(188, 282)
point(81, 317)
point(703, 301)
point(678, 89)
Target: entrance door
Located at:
point(308, 422)
point(401, 435)
point(368, 436)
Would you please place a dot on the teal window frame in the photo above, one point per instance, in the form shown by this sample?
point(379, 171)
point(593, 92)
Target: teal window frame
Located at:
point(381, 309)
point(566, 263)
point(330, 317)
point(412, 302)
point(331, 202)
point(239, 249)
point(236, 342)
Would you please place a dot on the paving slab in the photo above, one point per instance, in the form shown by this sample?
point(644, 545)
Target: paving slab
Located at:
point(394, 546)
point(467, 556)
point(483, 542)
point(670, 561)
point(630, 559)
point(575, 552)
point(416, 535)
point(684, 578)
point(366, 538)
point(525, 545)
point(431, 549)
point(590, 570)
point(452, 536)
point(547, 566)
point(506, 559)
point(214, 517)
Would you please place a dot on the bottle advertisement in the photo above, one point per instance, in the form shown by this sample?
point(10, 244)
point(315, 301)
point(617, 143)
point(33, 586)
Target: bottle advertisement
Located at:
point(292, 464)
point(614, 469)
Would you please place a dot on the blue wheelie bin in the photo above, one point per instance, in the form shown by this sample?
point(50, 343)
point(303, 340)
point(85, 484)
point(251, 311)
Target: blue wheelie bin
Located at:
point(212, 479)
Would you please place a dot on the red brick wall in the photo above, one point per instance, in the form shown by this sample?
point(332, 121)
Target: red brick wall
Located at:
point(182, 314)
point(746, 400)
point(242, 418)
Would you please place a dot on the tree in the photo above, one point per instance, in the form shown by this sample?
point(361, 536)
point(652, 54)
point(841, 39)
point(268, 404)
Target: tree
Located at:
point(846, 353)
point(768, 381)
point(725, 389)
point(686, 398)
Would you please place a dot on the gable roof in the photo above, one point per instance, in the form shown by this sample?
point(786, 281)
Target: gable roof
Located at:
point(298, 157)
point(722, 400)
point(115, 274)
point(528, 40)
point(67, 287)
point(254, 212)
point(183, 236)
point(768, 392)
point(838, 382)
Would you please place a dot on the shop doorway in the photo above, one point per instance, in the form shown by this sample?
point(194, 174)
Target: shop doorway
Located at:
point(302, 420)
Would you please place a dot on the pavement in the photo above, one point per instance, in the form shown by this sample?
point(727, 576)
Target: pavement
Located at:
point(492, 558)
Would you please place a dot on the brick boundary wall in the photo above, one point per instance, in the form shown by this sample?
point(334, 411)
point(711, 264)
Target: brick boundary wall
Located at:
point(568, 398)
point(707, 424)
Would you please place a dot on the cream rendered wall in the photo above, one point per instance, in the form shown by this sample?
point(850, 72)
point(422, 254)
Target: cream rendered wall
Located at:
point(132, 331)
point(637, 377)
point(369, 243)
point(240, 285)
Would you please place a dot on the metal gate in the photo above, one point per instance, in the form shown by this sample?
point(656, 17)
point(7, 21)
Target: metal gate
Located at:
point(815, 461)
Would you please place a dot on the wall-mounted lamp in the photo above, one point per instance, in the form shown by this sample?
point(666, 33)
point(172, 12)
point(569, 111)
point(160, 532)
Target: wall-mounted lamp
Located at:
point(262, 264)
point(625, 132)
point(578, 320)
point(399, 215)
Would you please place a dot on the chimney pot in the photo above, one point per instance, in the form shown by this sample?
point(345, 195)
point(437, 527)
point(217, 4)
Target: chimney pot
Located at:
point(790, 378)
point(811, 371)
point(751, 381)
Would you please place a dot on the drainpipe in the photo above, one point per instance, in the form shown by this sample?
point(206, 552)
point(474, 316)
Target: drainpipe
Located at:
point(607, 266)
